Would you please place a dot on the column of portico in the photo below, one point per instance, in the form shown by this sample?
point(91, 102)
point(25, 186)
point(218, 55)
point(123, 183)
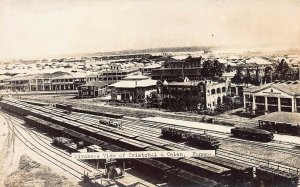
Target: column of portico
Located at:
point(266, 103)
point(245, 102)
point(253, 103)
point(279, 104)
point(293, 104)
point(29, 83)
point(36, 85)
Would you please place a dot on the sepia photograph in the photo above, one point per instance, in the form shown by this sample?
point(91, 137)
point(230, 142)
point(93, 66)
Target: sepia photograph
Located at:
point(148, 93)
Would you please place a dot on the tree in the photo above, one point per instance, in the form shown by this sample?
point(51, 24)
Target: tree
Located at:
point(284, 72)
point(238, 77)
point(228, 68)
point(206, 70)
point(255, 80)
point(217, 68)
point(267, 78)
point(247, 78)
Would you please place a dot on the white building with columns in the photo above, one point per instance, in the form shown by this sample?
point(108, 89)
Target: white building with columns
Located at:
point(273, 97)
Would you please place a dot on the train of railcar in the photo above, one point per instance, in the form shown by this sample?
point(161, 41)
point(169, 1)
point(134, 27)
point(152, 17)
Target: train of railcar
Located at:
point(252, 134)
point(22, 109)
point(161, 169)
point(195, 139)
point(66, 143)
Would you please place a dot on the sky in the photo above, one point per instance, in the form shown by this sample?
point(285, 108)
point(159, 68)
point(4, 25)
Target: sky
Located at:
point(46, 28)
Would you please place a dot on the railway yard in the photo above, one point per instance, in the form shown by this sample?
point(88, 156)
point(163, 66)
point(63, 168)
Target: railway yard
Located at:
point(240, 160)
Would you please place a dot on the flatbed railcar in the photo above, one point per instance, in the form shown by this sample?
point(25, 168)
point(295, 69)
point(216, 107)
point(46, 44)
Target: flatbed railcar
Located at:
point(274, 177)
point(202, 140)
point(132, 145)
point(252, 134)
point(173, 133)
point(98, 113)
point(205, 168)
point(152, 141)
point(240, 171)
point(38, 103)
point(64, 106)
point(152, 167)
point(180, 177)
point(195, 139)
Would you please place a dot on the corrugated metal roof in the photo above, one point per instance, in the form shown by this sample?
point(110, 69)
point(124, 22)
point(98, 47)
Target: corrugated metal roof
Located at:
point(281, 117)
point(134, 84)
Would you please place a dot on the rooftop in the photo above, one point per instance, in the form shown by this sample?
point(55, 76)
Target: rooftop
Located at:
point(259, 61)
point(289, 87)
point(281, 117)
point(96, 84)
point(136, 77)
point(134, 83)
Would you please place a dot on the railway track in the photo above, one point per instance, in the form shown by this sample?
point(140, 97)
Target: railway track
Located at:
point(149, 133)
point(224, 136)
point(47, 143)
point(41, 152)
point(256, 162)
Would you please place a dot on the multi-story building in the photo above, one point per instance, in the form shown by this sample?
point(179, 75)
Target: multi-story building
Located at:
point(174, 68)
point(272, 97)
point(92, 89)
point(147, 69)
point(29, 83)
point(193, 95)
point(68, 82)
point(3, 79)
point(18, 83)
point(116, 74)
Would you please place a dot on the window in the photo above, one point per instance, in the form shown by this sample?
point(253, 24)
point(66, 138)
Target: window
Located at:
point(213, 91)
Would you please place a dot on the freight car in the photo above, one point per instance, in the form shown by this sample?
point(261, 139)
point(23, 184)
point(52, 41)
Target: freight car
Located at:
point(194, 139)
point(98, 113)
point(172, 133)
point(110, 122)
point(203, 141)
point(273, 177)
point(65, 143)
point(179, 177)
point(63, 106)
point(252, 134)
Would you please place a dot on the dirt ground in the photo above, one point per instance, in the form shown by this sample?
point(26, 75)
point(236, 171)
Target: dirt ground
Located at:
point(31, 173)
point(11, 152)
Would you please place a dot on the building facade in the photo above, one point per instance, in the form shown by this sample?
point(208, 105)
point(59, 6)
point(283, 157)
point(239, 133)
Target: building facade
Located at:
point(272, 97)
point(68, 82)
point(172, 69)
point(132, 90)
point(92, 89)
point(192, 95)
point(116, 74)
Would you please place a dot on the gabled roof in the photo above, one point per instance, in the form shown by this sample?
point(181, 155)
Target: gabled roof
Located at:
point(290, 87)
